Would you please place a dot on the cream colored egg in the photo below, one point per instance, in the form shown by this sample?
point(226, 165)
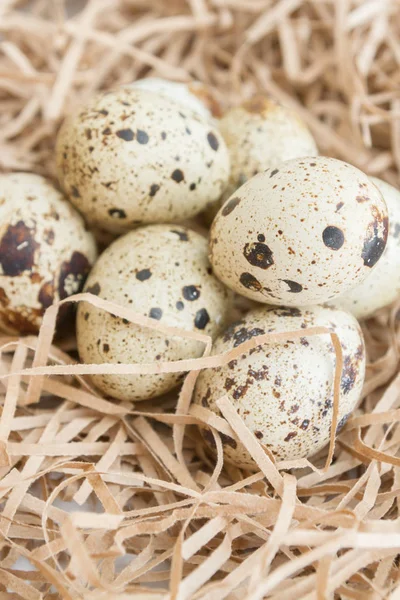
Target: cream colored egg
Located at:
point(161, 271)
point(382, 285)
point(260, 134)
point(46, 251)
point(284, 391)
point(301, 233)
point(195, 95)
point(132, 157)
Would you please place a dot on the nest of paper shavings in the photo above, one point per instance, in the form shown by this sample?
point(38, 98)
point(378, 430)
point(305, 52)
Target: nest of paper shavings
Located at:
point(101, 499)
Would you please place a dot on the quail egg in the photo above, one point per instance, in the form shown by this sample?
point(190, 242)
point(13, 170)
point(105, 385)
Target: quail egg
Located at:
point(301, 233)
point(260, 134)
point(284, 391)
point(382, 285)
point(132, 157)
point(195, 95)
point(160, 271)
point(46, 251)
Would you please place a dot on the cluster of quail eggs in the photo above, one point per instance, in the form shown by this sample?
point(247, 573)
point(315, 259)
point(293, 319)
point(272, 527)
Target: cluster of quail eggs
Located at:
point(312, 239)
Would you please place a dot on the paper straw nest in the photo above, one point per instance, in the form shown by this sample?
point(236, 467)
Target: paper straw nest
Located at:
point(152, 510)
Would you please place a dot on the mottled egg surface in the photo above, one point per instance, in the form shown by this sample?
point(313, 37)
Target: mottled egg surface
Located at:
point(261, 134)
point(301, 233)
point(132, 157)
point(382, 285)
point(284, 391)
point(45, 250)
point(160, 271)
point(195, 95)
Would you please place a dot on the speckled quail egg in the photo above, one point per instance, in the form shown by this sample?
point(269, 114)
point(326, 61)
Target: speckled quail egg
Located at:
point(45, 250)
point(301, 233)
point(382, 285)
point(260, 134)
point(160, 271)
point(284, 391)
point(132, 157)
point(195, 95)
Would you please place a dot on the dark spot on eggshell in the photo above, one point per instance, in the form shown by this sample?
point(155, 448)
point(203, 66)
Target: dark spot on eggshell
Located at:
point(177, 175)
point(250, 282)
point(259, 434)
point(239, 334)
point(304, 425)
point(290, 436)
point(287, 311)
point(259, 255)
point(48, 236)
point(155, 313)
point(46, 294)
point(125, 134)
point(117, 213)
point(261, 237)
point(230, 205)
point(396, 231)
point(75, 192)
point(23, 323)
point(192, 187)
point(274, 172)
point(229, 383)
point(213, 141)
point(349, 375)
point(362, 198)
point(294, 287)
point(182, 235)
point(333, 237)
point(206, 398)
point(201, 319)
point(106, 348)
point(143, 274)
point(374, 243)
point(142, 137)
point(190, 292)
point(342, 422)
point(163, 135)
point(153, 189)
point(94, 289)
point(339, 205)
point(179, 305)
point(17, 249)
point(75, 270)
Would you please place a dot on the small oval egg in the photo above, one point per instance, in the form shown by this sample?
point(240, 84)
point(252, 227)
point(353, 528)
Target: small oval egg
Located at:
point(132, 157)
point(260, 134)
point(382, 285)
point(284, 391)
point(46, 251)
point(301, 233)
point(195, 95)
point(160, 271)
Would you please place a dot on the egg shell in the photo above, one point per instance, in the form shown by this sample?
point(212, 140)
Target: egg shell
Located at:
point(284, 391)
point(301, 233)
point(46, 251)
point(160, 271)
point(132, 157)
point(382, 286)
point(260, 134)
point(195, 95)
